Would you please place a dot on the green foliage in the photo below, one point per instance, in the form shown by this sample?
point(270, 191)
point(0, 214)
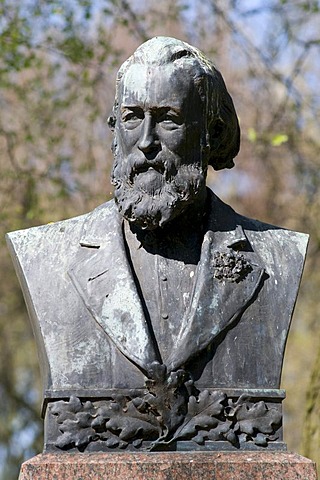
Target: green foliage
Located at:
point(275, 139)
point(279, 139)
point(252, 135)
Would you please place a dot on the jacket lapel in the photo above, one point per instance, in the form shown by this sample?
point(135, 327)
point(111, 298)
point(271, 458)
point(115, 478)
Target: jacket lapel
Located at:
point(102, 276)
point(217, 301)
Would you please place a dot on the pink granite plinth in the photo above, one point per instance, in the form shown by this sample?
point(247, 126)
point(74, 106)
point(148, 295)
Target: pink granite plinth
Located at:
point(169, 466)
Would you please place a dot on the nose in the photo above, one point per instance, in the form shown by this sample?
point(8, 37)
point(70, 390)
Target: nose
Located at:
point(148, 141)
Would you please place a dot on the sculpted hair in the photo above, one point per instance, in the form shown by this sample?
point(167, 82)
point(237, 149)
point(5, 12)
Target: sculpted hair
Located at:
point(222, 138)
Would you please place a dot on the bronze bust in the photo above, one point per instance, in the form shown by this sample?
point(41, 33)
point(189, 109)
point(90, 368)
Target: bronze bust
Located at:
point(161, 317)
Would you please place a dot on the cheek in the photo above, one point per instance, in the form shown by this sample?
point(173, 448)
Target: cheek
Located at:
point(186, 146)
point(127, 139)
point(175, 140)
point(193, 136)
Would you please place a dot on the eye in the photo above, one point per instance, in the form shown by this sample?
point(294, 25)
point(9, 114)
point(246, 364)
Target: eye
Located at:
point(132, 117)
point(167, 119)
point(170, 121)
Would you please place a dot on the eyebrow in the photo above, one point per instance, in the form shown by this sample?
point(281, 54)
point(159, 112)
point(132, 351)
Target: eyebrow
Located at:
point(131, 106)
point(166, 108)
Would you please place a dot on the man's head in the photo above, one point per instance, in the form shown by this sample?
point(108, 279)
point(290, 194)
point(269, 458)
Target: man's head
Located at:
point(172, 118)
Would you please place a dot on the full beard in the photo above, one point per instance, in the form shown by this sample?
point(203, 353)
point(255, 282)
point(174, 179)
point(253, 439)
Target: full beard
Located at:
point(152, 193)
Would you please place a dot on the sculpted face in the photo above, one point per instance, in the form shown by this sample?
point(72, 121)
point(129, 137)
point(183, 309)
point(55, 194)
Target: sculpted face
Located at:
point(158, 169)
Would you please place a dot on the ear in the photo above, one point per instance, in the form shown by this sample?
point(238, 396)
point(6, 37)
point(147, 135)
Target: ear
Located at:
point(111, 121)
point(224, 140)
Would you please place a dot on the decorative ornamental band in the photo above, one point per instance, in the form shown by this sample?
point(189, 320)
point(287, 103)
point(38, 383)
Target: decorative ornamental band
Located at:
point(171, 410)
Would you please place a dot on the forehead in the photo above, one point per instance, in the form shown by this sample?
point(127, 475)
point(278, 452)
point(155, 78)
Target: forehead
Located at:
point(153, 86)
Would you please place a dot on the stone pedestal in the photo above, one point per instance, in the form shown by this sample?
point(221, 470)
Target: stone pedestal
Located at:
point(169, 466)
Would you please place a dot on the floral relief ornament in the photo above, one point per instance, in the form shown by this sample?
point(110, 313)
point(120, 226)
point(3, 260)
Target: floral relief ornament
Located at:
point(230, 266)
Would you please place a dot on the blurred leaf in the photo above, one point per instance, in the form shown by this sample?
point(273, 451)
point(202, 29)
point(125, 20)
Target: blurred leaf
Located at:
point(279, 139)
point(252, 135)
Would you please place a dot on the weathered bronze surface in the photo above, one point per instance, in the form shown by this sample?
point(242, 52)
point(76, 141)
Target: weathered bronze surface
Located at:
point(161, 317)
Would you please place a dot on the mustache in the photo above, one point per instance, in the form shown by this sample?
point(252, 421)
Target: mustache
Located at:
point(136, 164)
point(143, 165)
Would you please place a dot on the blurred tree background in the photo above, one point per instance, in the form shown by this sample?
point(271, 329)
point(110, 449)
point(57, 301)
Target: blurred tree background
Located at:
point(58, 61)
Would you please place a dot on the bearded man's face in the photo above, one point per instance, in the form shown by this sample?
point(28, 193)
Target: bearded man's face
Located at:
point(158, 167)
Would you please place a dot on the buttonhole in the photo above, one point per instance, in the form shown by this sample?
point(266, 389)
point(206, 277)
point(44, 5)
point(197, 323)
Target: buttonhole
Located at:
point(96, 276)
point(88, 245)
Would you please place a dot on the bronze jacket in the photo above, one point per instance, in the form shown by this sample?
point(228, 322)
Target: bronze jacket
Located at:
point(88, 319)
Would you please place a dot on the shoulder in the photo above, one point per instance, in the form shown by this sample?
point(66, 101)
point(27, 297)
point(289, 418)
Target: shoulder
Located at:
point(273, 236)
point(65, 231)
point(265, 237)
